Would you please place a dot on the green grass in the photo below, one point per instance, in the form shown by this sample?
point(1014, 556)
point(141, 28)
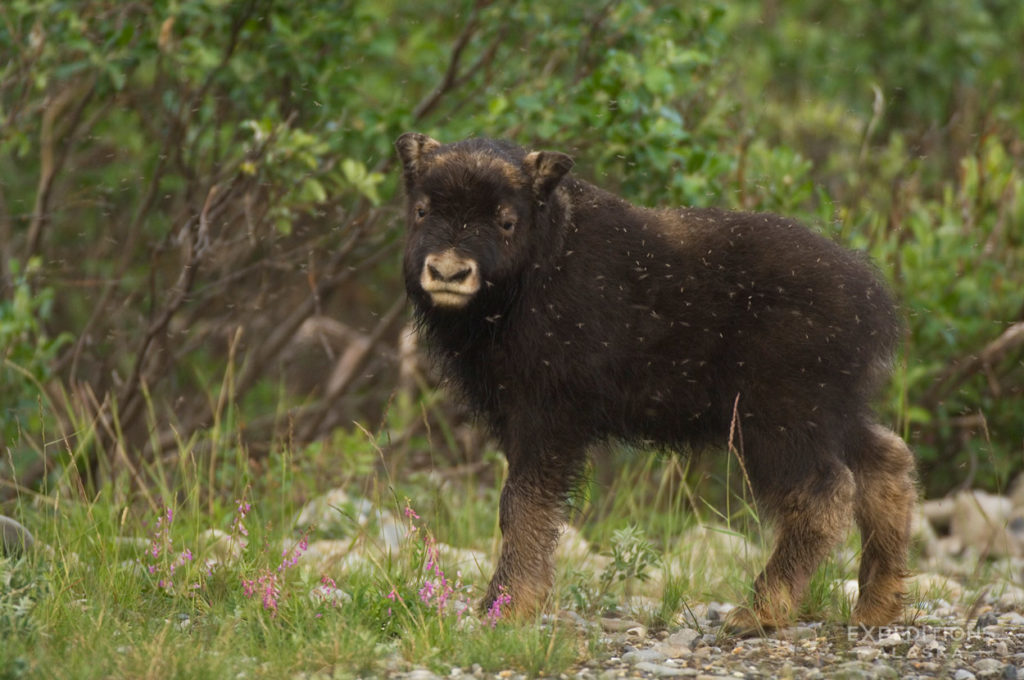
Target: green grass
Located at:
point(124, 589)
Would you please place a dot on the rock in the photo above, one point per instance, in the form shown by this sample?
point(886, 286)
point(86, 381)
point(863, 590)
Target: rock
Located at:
point(938, 512)
point(849, 588)
point(1011, 597)
point(795, 633)
point(718, 611)
point(923, 534)
point(421, 674)
point(866, 653)
point(985, 620)
point(685, 638)
point(636, 633)
point(889, 641)
point(465, 560)
point(329, 556)
point(927, 586)
point(664, 671)
point(335, 514)
point(721, 543)
point(334, 597)
point(220, 547)
point(571, 617)
point(1017, 494)
point(860, 670)
point(694, 614)
point(1010, 672)
point(988, 668)
point(680, 644)
point(572, 547)
point(963, 674)
point(642, 607)
point(1012, 619)
point(15, 539)
point(618, 625)
point(641, 655)
point(980, 521)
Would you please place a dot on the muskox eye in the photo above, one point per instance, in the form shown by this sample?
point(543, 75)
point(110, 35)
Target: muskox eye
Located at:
point(421, 212)
point(508, 226)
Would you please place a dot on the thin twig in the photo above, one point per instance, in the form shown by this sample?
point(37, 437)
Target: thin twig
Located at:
point(957, 373)
point(53, 153)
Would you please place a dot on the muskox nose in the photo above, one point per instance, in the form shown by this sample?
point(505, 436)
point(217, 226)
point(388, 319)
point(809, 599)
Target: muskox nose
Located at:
point(450, 279)
point(449, 267)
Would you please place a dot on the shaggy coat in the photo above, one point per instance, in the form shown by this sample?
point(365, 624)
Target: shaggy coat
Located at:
point(566, 316)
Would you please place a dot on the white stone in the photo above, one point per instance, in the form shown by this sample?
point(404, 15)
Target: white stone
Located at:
point(641, 655)
point(1010, 596)
point(929, 587)
point(220, 547)
point(923, 534)
point(980, 521)
point(1017, 493)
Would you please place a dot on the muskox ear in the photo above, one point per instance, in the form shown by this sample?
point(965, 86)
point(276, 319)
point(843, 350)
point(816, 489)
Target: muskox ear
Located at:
point(412, 146)
point(546, 169)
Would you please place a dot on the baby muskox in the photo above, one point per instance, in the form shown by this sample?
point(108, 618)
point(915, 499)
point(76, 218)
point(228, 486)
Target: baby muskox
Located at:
point(567, 316)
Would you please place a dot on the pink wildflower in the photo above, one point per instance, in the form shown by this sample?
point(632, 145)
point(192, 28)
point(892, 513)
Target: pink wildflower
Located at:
point(394, 597)
point(494, 612)
point(268, 588)
point(237, 527)
point(295, 552)
point(427, 591)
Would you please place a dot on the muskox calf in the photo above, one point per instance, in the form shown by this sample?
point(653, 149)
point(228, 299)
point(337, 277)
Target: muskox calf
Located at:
point(567, 316)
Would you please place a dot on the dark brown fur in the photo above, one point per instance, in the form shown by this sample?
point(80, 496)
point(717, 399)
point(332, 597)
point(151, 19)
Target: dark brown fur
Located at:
point(567, 316)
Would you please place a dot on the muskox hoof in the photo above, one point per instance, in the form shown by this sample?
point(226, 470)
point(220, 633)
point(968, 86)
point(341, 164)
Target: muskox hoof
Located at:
point(876, 614)
point(742, 622)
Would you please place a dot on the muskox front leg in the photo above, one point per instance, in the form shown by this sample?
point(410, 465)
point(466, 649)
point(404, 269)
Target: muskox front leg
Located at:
point(531, 515)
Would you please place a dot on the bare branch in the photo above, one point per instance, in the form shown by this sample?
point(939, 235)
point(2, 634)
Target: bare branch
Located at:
point(452, 78)
point(958, 373)
point(349, 365)
point(53, 152)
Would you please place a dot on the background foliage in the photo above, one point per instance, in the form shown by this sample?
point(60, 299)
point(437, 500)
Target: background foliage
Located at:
point(198, 223)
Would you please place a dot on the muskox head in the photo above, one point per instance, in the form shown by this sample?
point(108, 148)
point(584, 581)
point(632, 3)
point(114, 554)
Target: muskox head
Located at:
point(478, 212)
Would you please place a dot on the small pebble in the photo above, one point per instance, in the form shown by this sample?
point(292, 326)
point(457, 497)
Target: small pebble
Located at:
point(663, 671)
point(988, 667)
point(643, 655)
point(637, 633)
point(685, 637)
point(619, 625)
point(889, 641)
point(795, 633)
point(420, 674)
point(1012, 619)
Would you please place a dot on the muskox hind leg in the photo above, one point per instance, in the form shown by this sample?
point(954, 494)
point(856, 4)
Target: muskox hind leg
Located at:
point(811, 513)
point(531, 515)
point(883, 467)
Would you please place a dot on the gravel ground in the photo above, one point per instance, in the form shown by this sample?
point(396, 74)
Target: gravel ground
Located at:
point(995, 650)
point(991, 646)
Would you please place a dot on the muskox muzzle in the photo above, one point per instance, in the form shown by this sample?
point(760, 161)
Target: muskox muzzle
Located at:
point(450, 279)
